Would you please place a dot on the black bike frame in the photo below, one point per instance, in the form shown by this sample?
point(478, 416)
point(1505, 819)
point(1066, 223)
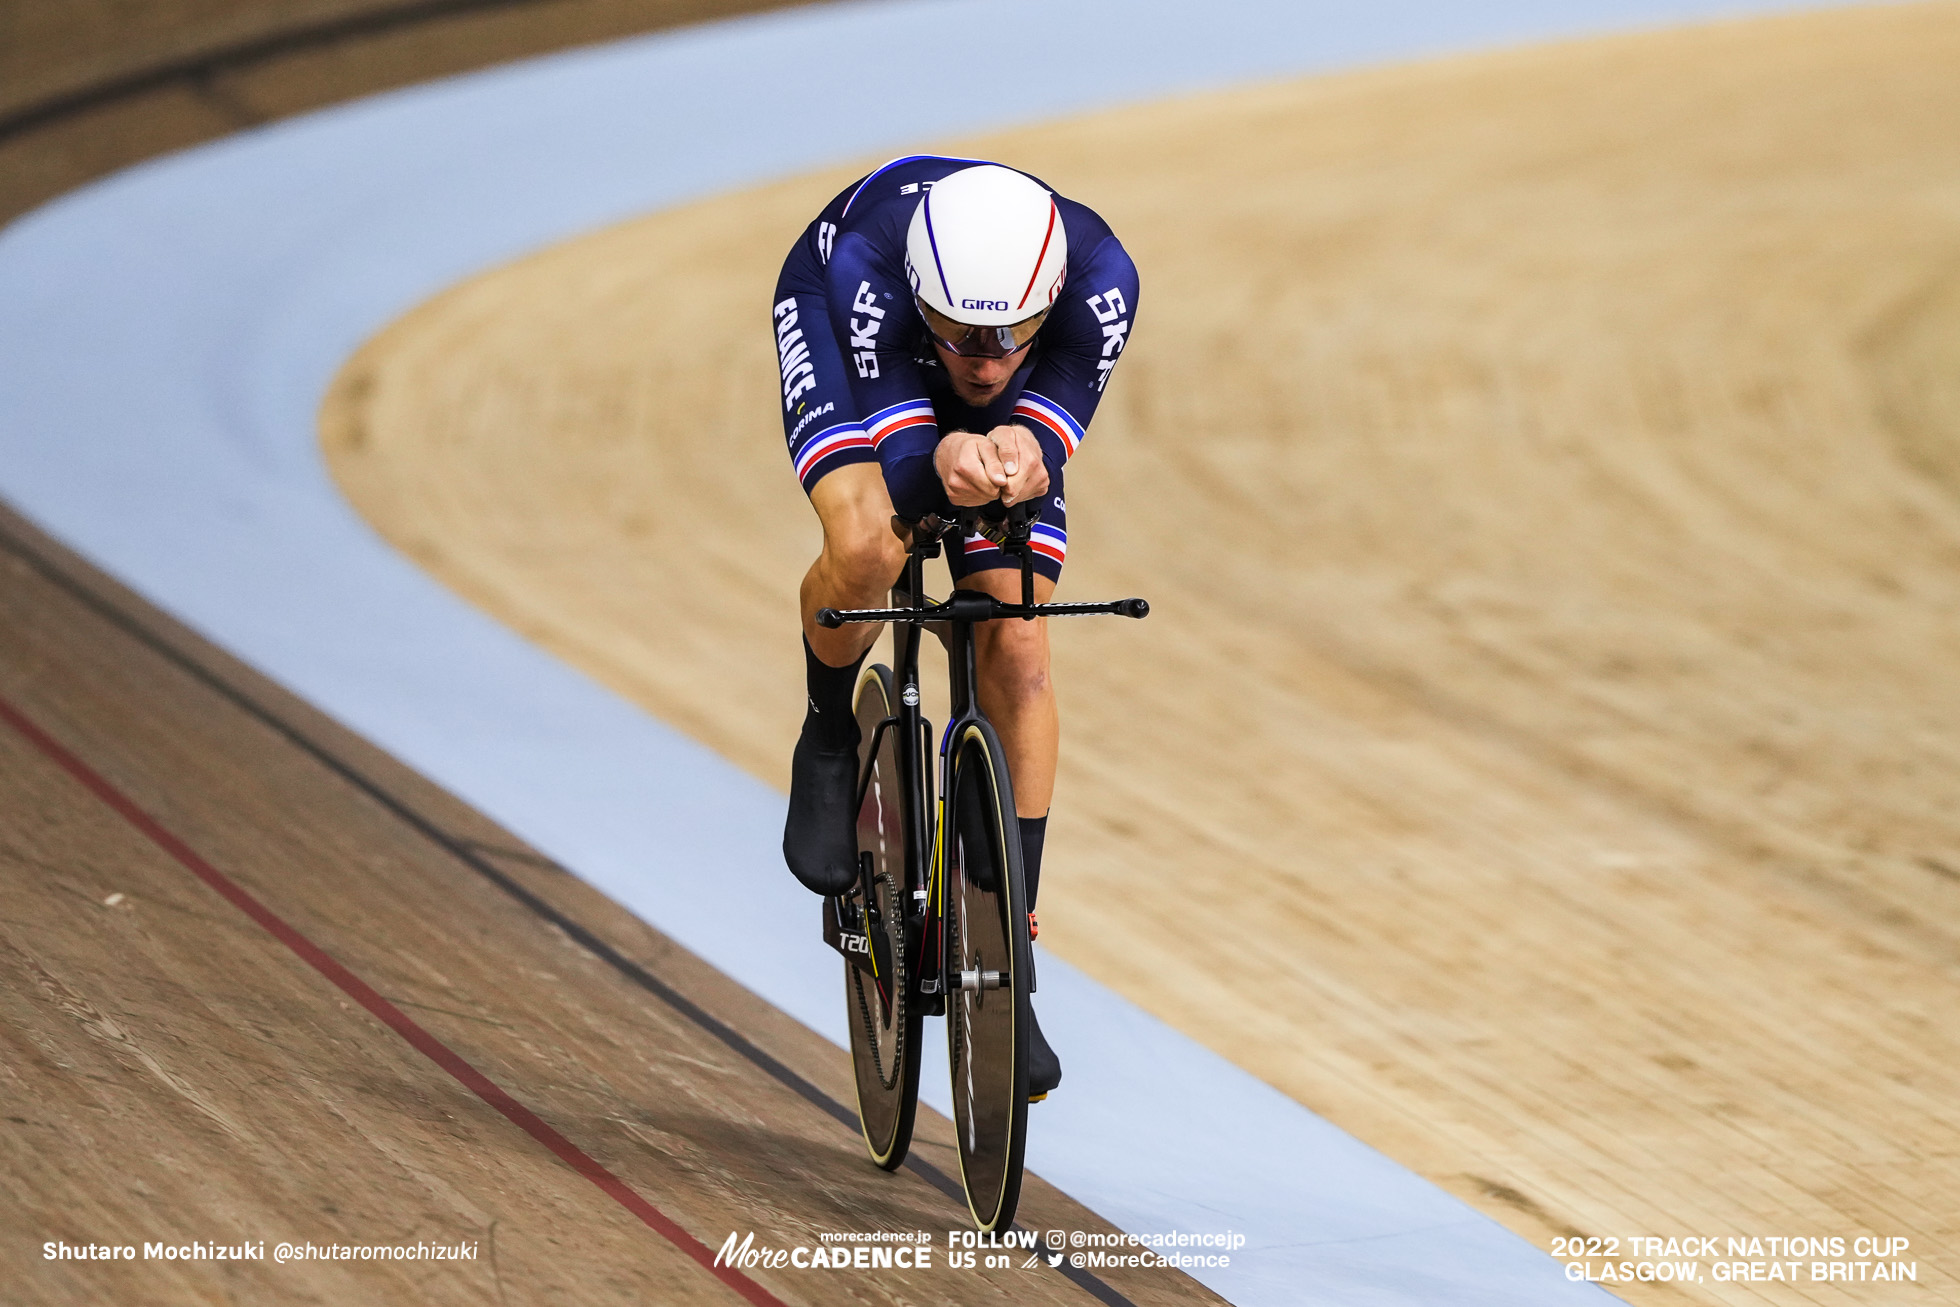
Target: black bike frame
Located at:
point(915, 764)
point(925, 907)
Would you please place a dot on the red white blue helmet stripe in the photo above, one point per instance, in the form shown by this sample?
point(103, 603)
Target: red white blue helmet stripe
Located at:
point(996, 232)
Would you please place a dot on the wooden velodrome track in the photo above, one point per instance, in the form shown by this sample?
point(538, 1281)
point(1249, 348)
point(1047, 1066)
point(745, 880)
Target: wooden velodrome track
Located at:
point(1590, 643)
point(182, 1068)
point(262, 982)
point(1546, 470)
point(88, 86)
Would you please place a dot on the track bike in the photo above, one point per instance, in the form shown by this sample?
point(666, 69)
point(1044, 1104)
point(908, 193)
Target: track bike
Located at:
point(938, 923)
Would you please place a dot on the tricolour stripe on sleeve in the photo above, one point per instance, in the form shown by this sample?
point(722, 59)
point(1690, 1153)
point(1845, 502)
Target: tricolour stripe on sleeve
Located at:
point(829, 441)
point(1049, 541)
point(912, 413)
point(1052, 417)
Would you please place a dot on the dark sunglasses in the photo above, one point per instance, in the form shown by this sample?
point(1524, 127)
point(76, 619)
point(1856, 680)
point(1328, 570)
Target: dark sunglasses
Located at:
point(969, 341)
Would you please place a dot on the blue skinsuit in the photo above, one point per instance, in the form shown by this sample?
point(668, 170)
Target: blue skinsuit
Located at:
point(861, 381)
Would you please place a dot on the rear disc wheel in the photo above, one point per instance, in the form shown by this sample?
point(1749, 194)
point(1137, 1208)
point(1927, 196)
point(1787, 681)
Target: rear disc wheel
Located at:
point(884, 1020)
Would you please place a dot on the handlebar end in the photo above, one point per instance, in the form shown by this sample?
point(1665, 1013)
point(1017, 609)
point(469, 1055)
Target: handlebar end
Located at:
point(1138, 608)
point(830, 619)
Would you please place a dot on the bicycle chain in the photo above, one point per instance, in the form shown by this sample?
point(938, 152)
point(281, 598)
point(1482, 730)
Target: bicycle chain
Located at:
point(899, 999)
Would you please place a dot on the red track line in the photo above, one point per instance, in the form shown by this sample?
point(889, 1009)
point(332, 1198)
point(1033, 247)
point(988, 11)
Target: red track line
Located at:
point(390, 1015)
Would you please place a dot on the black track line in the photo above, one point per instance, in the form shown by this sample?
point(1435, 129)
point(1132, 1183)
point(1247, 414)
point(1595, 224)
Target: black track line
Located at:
point(231, 58)
point(467, 853)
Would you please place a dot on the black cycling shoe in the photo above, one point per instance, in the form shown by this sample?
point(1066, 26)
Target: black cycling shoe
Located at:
point(820, 836)
point(1044, 1068)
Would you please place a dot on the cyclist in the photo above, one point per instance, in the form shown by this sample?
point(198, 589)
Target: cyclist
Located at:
point(945, 329)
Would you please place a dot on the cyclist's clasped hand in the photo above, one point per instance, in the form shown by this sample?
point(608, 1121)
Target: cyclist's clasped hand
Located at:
point(1004, 464)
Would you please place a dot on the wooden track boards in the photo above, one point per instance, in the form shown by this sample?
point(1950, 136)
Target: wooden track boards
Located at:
point(90, 86)
point(169, 1071)
point(1539, 760)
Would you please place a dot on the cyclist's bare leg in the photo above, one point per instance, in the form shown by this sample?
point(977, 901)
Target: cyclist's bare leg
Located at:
point(860, 559)
point(1016, 691)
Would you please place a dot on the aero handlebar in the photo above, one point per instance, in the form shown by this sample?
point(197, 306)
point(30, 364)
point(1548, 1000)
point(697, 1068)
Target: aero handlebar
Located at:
point(1010, 528)
point(972, 606)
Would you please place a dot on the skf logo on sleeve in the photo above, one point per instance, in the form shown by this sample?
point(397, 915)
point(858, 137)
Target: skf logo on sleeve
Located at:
point(864, 335)
point(793, 352)
point(1113, 312)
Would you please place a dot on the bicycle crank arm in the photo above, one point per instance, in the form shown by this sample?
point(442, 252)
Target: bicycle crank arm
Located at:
point(972, 606)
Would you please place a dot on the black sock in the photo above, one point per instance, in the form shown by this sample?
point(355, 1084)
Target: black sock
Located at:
point(1034, 832)
point(829, 713)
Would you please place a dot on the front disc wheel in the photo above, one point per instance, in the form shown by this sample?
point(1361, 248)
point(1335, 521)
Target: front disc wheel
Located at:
point(987, 1013)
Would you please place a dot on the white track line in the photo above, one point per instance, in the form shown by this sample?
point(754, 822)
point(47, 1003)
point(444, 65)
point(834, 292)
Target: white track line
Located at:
point(166, 336)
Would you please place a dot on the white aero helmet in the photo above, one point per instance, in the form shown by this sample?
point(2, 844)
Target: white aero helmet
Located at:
point(987, 254)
